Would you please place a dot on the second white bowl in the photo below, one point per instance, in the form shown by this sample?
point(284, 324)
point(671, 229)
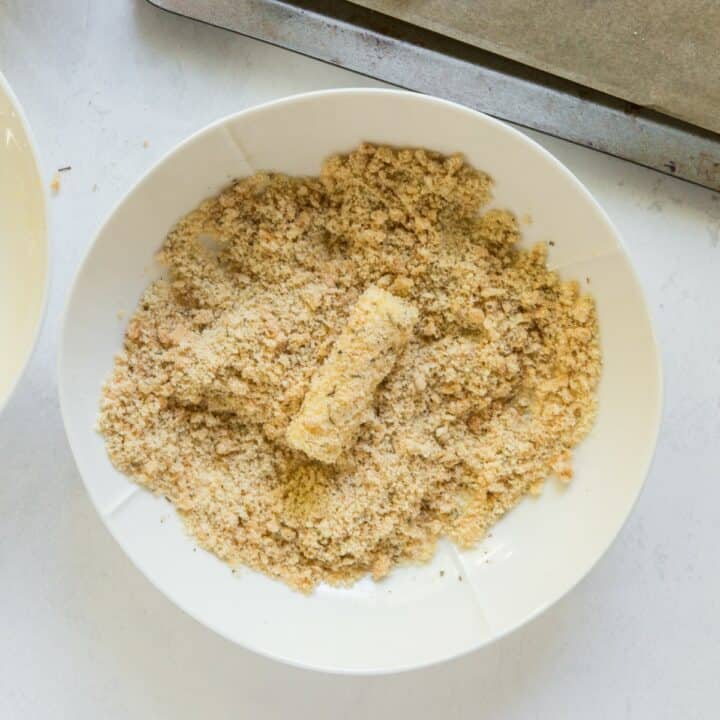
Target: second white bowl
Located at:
point(23, 243)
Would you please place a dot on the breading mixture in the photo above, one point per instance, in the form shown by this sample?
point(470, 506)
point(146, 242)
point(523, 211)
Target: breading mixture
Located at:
point(338, 371)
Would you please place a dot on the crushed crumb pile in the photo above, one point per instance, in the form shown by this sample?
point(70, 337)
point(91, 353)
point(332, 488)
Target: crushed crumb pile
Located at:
point(468, 374)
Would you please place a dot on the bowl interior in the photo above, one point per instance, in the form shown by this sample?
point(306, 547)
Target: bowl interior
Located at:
point(417, 615)
point(23, 243)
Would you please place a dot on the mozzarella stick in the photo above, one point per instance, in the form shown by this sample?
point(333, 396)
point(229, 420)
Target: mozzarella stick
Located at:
point(342, 388)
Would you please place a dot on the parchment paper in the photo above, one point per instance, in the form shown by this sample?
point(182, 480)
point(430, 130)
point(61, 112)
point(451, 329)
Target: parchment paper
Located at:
point(661, 54)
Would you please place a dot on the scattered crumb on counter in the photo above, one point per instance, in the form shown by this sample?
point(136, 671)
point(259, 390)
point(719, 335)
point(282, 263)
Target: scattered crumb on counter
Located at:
point(55, 183)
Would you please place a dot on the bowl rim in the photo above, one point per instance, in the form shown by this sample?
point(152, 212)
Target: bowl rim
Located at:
point(536, 147)
point(48, 264)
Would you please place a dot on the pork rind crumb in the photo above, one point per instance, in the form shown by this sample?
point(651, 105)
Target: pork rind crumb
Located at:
point(484, 400)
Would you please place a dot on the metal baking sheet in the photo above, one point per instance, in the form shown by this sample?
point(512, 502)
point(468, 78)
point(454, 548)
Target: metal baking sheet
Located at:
point(661, 54)
point(368, 42)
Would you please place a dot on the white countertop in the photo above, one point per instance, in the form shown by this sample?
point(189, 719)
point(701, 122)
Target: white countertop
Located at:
point(84, 635)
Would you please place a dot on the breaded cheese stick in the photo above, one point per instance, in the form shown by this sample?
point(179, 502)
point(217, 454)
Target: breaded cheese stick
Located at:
point(342, 389)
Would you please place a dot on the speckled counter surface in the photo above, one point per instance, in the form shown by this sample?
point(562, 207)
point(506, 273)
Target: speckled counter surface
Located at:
point(84, 635)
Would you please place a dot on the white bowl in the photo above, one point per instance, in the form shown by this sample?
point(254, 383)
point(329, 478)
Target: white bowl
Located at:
point(416, 616)
point(23, 243)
